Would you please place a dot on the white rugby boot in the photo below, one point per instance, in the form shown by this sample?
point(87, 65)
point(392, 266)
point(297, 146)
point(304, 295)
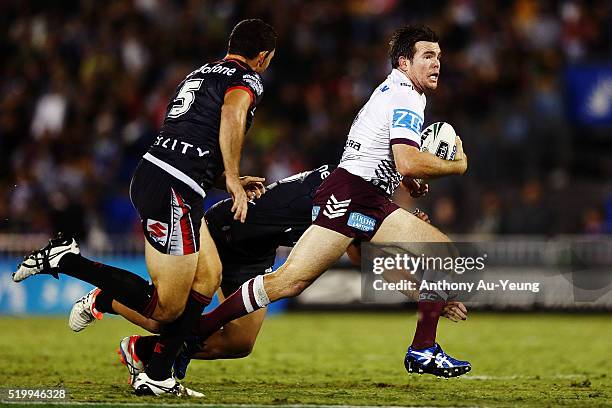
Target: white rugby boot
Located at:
point(83, 312)
point(46, 260)
point(129, 358)
point(143, 385)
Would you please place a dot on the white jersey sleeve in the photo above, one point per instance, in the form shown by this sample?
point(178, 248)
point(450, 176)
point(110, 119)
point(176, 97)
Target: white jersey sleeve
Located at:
point(405, 115)
point(392, 115)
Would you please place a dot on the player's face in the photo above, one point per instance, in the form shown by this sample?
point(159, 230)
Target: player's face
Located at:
point(424, 69)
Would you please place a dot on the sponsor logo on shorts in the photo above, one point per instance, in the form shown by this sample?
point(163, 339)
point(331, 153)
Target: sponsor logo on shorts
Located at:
point(361, 222)
point(315, 212)
point(158, 231)
point(335, 208)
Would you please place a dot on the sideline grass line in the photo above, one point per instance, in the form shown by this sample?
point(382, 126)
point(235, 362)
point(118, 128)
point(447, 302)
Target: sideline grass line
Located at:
point(170, 404)
point(520, 377)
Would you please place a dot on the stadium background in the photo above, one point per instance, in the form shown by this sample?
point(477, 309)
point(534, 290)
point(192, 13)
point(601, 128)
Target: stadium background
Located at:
point(84, 87)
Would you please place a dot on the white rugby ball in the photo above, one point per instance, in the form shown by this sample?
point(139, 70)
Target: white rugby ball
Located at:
point(439, 139)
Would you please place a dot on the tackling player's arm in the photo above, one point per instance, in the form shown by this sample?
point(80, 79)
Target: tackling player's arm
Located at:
point(411, 162)
point(231, 135)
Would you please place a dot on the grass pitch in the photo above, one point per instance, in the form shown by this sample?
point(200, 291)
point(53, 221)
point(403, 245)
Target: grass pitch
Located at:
point(534, 360)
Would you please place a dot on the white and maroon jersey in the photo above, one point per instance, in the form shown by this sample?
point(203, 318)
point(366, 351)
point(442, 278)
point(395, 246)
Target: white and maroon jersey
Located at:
point(392, 115)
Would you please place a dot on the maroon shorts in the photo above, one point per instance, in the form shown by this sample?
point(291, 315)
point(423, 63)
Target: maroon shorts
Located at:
point(350, 205)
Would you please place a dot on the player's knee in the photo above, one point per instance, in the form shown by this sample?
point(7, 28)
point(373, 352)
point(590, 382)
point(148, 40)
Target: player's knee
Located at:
point(243, 351)
point(208, 279)
point(243, 348)
point(215, 276)
point(153, 326)
point(169, 312)
point(443, 247)
point(449, 249)
point(207, 286)
point(214, 269)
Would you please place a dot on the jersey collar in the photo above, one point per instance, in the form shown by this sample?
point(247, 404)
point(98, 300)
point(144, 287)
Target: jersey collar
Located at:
point(240, 63)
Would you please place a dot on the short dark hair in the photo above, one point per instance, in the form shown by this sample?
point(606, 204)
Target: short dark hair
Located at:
point(403, 40)
point(250, 37)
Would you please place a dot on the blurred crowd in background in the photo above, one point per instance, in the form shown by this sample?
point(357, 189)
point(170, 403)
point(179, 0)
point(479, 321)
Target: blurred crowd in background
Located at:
point(84, 87)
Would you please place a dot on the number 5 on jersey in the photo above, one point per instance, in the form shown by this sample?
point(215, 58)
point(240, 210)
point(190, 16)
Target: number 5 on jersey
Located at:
point(185, 98)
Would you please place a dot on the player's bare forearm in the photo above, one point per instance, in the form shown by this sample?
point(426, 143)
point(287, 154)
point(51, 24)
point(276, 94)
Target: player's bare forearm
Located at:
point(410, 162)
point(231, 131)
point(134, 317)
point(231, 136)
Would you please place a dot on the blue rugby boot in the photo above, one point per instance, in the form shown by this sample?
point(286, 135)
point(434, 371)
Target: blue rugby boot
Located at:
point(433, 360)
point(191, 346)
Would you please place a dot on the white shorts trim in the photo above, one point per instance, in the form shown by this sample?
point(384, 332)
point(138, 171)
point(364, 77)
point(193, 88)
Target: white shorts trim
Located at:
point(176, 173)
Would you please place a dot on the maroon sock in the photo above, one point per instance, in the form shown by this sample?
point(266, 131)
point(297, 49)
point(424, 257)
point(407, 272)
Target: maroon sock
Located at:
point(425, 333)
point(238, 304)
point(170, 341)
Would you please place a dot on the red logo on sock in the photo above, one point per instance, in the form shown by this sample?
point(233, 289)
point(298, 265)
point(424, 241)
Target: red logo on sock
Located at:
point(159, 348)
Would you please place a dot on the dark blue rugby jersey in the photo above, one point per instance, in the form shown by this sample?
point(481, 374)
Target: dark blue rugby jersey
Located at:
point(278, 218)
point(189, 138)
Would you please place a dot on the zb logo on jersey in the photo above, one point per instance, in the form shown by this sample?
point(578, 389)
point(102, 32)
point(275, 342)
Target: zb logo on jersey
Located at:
point(404, 118)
